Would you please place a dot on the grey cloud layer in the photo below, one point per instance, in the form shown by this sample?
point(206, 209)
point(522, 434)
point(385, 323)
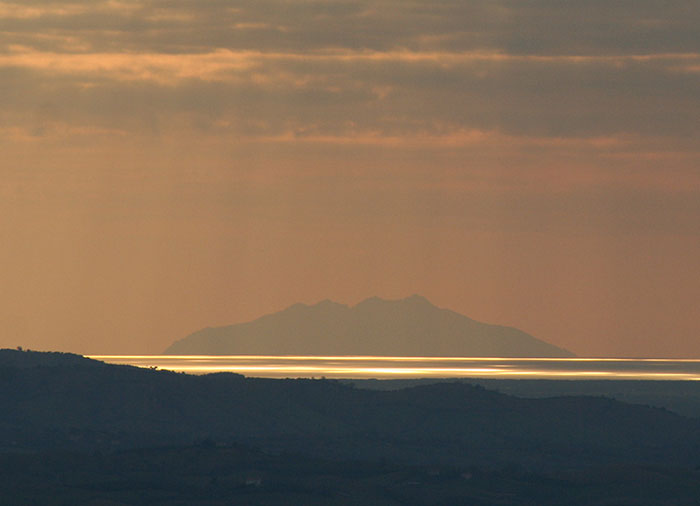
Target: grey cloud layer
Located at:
point(352, 68)
point(271, 96)
point(524, 27)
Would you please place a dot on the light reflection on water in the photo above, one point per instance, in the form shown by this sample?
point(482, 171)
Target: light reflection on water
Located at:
point(304, 366)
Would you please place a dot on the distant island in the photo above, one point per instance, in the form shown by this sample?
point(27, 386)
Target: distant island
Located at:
point(410, 327)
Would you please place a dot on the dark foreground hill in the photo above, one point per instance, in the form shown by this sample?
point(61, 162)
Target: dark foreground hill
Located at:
point(75, 431)
point(682, 397)
point(409, 327)
point(209, 475)
point(61, 401)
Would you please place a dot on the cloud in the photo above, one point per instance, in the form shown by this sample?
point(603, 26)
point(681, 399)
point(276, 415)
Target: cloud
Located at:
point(357, 69)
point(361, 93)
point(511, 26)
point(525, 85)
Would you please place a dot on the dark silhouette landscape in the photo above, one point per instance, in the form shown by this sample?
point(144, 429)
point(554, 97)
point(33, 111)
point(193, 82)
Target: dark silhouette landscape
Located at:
point(197, 198)
point(79, 431)
point(410, 327)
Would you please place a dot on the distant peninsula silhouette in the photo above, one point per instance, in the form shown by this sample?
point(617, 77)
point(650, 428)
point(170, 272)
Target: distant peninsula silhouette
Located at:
point(408, 327)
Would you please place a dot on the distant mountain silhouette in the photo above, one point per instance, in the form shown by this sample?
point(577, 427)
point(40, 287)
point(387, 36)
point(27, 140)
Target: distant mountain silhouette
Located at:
point(408, 327)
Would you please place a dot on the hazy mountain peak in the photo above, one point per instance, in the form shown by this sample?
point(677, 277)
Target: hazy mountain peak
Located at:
point(370, 300)
point(418, 299)
point(296, 305)
point(412, 326)
point(414, 299)
point(328, 303)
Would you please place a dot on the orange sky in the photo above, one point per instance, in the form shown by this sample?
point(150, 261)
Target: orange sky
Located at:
point(168, 166)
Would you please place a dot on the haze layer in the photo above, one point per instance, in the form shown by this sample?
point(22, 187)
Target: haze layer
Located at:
point(167, 165)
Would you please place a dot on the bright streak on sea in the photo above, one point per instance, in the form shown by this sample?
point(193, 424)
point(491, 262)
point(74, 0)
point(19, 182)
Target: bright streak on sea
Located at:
point(358, 367)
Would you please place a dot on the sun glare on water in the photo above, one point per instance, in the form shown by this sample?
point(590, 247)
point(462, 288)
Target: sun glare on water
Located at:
point(361, 367)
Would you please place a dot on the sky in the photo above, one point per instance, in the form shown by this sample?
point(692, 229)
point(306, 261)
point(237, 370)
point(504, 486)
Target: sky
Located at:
point(168, 165)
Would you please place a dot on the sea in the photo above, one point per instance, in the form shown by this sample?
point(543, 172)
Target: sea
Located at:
point(368, 367)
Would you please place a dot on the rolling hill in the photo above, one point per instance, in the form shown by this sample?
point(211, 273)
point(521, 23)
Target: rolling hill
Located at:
point(79, 431)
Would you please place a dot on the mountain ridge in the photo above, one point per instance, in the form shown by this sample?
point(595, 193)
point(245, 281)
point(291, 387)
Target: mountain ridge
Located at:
point(64, 401)
point(412, 326)
point(74, 430)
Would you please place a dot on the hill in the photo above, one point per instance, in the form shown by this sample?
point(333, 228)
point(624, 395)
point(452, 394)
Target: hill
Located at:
point(88, 405)
point(78, 431)
point(408, 327)
point(216, 475)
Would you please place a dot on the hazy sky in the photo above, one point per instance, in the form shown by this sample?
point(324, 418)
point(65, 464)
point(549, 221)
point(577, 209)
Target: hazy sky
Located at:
point(174, 164)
